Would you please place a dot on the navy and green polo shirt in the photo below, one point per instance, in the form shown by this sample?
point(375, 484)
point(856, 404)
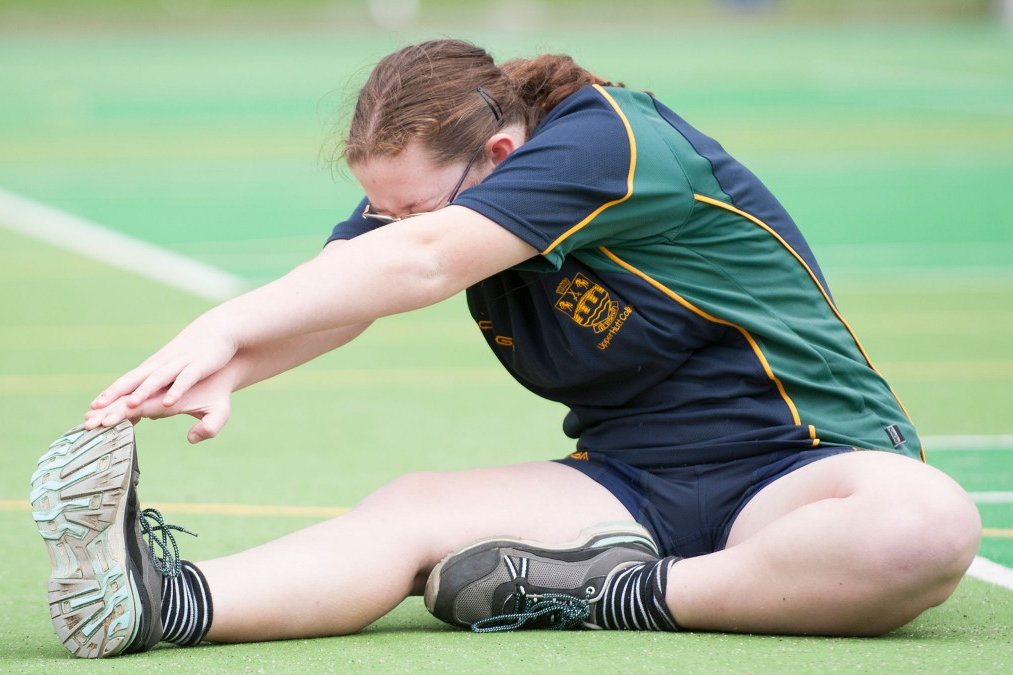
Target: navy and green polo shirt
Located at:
point(675, 308)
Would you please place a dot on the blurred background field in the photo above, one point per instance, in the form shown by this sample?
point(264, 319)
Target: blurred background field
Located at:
point(204, 127)
point(217, 118)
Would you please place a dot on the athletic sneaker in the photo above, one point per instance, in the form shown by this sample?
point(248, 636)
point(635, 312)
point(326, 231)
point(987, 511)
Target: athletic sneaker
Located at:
point(505, 584)
point(105, 589)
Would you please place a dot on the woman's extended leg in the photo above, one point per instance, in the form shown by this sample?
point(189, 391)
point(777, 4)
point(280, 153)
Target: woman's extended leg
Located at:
point(342, 574)
point(855, 544)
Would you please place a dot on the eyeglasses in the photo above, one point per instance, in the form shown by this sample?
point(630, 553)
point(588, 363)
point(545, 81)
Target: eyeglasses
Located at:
point(368, 212)
point(497, 112)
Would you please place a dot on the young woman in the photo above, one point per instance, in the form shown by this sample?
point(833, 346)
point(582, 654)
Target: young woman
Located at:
point(616, 260)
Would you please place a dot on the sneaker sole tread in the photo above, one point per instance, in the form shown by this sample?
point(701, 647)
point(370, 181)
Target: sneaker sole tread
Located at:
point(78, 500)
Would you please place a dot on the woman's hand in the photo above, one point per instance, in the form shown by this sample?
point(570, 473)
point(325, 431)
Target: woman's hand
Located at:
point(208, 401)
point(196, 353)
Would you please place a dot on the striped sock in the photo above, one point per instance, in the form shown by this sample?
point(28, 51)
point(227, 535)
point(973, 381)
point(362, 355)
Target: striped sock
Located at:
point(634, 599)
point(186, 607)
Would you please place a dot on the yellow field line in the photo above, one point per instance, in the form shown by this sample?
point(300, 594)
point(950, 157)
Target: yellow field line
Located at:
point(450, 377)
point(312, 379)
point(243, 510)
point(215, 509)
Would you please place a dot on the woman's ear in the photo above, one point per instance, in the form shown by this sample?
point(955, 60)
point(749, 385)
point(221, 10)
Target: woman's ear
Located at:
point(501, 145)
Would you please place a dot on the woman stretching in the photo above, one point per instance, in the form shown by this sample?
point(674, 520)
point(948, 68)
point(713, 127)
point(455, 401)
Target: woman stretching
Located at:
point(740, 465)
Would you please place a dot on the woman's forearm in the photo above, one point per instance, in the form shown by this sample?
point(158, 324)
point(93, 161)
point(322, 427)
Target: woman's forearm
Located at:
point(261, 362)
point(397, 268)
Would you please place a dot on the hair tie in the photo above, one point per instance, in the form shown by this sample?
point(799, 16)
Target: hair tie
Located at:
point(494, 106)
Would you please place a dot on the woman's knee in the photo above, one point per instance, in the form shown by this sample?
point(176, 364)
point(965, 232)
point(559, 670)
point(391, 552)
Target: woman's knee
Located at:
point(927, 537)
point(953, 533)
point(416, 511)
point(407, 494)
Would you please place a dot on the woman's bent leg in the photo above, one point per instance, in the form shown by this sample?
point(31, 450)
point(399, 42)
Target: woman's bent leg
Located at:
point(855, 544)
point(340, 575)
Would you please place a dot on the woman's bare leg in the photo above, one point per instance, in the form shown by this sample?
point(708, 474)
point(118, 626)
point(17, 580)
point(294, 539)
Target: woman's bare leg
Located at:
point(340, 575)
point(855, 544)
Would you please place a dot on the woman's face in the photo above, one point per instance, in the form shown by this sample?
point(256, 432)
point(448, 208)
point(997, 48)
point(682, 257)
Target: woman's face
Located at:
point(411, 183)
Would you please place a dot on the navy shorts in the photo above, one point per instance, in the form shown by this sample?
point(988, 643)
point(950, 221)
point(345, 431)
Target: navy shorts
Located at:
point(689, 510)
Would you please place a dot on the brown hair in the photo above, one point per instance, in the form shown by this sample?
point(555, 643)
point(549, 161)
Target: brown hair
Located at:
point(451, 96)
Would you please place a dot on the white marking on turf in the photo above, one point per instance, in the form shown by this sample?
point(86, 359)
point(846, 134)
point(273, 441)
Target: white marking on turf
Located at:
point(967, 442)
point(993, 573)
point(992, 497)
point(84, 237)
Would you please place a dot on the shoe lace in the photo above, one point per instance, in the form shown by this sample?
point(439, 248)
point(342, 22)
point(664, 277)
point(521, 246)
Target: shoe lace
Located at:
point(159, 535)
point(570, 612)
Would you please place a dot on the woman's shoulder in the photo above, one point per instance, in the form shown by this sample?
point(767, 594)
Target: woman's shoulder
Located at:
point(609, 99)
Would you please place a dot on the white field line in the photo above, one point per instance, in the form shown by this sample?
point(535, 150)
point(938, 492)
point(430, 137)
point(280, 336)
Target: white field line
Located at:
point(968, 442)
point(992, 497)
point(993, 573)
point(78, 235)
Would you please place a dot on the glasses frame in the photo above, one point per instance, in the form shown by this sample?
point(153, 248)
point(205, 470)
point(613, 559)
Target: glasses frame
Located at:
point(373, 215)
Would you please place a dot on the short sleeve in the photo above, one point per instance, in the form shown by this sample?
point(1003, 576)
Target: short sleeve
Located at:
point(573, 183)
point(354, 225)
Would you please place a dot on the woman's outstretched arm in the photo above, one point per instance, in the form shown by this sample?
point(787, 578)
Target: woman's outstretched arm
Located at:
point(399, 267)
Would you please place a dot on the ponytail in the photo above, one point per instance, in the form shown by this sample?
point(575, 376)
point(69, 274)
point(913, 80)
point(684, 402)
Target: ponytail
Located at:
point(545, 81)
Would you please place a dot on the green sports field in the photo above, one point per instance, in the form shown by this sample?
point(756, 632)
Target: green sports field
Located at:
point(204, 137)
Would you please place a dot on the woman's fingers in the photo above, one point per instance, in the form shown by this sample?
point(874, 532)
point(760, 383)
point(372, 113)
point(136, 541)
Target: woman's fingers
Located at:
point(182, 382)
point(174, 380)
point(209, 425)
point(123, 386)
point(179, 378)
point(179, 365)
point(111, 415)
point(207, 400)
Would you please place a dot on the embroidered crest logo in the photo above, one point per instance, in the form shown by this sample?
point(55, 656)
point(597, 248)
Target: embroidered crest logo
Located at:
point(587, 303)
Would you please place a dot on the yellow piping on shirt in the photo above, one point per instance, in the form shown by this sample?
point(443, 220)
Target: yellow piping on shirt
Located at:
point(629, 178)
point(696, 310)
point(826, 296)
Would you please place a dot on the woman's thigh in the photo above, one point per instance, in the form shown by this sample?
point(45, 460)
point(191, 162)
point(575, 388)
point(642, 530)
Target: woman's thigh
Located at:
point(882, 479)
point(440, 512)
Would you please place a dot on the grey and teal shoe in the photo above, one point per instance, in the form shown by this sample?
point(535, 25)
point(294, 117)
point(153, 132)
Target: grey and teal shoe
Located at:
point(106, 584)
point(506, 584)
